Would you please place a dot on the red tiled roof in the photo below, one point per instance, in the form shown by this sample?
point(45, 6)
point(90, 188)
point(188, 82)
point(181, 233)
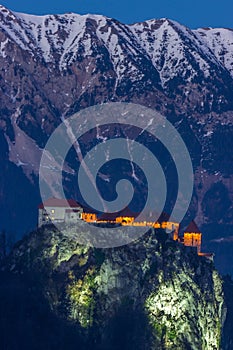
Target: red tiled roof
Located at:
point(56, 202)
point(164, 217)
point(112, 216)
point(127, 212)
point(72, 211)
point(107, 217)
point(192, 228)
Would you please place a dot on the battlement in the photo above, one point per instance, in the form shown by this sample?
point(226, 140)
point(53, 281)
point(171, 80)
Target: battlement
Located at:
point(60, 210)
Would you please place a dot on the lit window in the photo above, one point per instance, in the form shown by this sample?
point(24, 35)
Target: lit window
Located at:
point(52, 211)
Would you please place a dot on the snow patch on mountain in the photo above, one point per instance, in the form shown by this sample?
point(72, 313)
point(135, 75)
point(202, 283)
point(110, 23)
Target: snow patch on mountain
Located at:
point(220, 42)
point(3, 45)
point(50, 36)
point(172, 47)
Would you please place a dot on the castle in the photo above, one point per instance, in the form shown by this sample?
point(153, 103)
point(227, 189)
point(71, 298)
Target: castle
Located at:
point(56, 210)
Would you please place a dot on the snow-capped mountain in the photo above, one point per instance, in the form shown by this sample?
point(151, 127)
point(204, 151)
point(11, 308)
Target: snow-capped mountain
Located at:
point(154, 55)
point(175, 50)
point(61, 38)
point(52, 66)
point(220, 42)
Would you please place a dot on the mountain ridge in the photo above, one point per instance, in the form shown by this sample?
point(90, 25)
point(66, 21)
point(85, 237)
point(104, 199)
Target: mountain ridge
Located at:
point(32, 23)
point(48, 73)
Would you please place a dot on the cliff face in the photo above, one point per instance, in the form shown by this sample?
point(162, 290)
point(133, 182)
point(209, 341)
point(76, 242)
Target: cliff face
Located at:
point(151, 294)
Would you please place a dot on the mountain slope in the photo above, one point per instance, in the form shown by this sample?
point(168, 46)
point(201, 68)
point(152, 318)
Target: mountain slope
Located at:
point(220, 41)
point(52, 66)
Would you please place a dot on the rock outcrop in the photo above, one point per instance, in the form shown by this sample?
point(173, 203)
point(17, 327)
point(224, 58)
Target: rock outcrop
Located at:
point(151, 294)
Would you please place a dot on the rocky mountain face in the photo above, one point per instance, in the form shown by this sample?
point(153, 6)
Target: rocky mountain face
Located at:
point(151, 294)
point(52, 66)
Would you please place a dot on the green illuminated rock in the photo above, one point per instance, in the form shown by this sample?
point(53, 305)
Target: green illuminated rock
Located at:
point(151, 294)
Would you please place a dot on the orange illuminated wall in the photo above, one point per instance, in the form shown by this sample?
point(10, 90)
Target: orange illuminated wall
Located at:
point(88, 217)
point(175, 235)
point(129, 221)
point(192, 239)
point(124, 220)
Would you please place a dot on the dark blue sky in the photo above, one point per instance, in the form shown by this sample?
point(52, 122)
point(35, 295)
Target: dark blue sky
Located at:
point(199, 13)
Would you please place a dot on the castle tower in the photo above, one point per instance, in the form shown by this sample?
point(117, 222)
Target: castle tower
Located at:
point(192, 236)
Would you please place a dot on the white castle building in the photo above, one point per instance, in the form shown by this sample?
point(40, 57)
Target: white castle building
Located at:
point(59, 210)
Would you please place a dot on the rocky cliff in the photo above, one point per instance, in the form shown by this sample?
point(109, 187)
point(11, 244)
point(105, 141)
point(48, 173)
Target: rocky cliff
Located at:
point(151, 294)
